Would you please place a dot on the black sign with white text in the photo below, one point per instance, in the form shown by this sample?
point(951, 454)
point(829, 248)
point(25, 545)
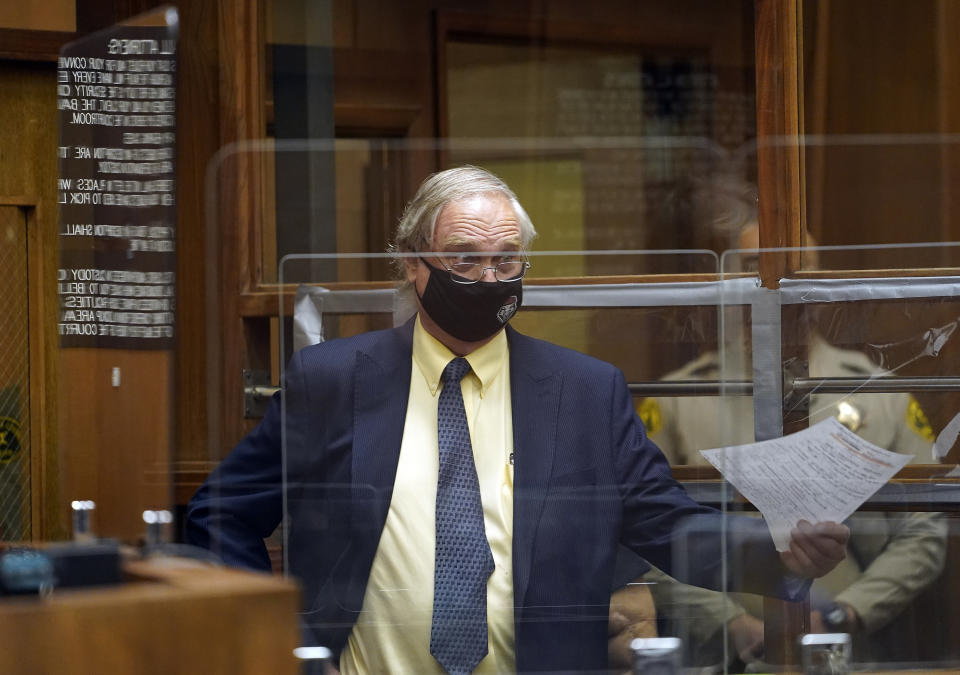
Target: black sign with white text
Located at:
point(116, 97)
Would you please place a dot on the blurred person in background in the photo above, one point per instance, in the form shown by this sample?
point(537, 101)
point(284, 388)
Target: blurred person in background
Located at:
point(892, 557)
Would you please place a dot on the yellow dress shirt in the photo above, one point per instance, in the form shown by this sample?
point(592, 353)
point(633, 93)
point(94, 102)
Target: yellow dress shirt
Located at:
point(392, 632)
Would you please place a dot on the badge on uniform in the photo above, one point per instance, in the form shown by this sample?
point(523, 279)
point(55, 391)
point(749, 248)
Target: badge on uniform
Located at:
point(918, 422)
point(850, 415)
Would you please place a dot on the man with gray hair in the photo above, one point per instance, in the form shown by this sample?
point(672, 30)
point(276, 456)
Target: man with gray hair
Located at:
point(455, 492)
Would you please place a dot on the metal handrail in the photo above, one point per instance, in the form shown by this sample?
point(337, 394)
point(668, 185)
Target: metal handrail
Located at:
point(799, 385)
point(691, 388)
point(887, 384)
point(890, 384)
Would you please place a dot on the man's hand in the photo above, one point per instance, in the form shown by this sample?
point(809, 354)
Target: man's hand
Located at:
point(746, 637)
point(815, 549)
point(632, 615)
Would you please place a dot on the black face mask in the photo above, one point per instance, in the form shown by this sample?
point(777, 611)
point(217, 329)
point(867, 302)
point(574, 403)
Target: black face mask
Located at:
point(469, 312)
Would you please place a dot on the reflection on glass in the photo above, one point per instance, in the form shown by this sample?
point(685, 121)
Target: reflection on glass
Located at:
point(656, 116)
point(880, 117)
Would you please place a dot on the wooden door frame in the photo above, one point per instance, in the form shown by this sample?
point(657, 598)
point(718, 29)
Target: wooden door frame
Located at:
point(46, 519)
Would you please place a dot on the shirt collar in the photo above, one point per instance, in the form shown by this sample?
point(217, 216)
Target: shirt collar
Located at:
point(431, 357)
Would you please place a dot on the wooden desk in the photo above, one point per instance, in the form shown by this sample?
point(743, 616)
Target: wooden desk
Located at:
point(173, 616)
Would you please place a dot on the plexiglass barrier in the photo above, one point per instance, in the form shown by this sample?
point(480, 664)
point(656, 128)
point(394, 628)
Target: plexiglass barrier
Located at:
point(563, 511)
point(870, 354)
point(105, 401)
point(347, 458)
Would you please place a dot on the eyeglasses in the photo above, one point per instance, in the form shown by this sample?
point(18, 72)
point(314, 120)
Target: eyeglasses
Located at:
point(466, 272)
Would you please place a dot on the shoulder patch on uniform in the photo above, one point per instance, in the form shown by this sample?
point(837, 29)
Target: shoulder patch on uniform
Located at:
point(650, 415)
point(918, 422)
point(9, 439)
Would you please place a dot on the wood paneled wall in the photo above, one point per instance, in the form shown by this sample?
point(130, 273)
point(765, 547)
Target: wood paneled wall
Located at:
point(95, 455)
point(385, 81)
point(881, 99)
point(115, 441)
point(879, 87)
point(50, 15)
point(198, 141)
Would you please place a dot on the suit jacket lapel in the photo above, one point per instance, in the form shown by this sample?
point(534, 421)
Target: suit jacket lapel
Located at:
point(535, 398)
point(381, 391)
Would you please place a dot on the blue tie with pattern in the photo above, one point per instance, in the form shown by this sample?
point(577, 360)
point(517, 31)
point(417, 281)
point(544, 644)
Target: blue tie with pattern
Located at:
point(463, 562)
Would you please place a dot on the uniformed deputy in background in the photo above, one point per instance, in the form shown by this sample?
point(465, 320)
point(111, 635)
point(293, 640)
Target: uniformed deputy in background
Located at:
point(891, 558)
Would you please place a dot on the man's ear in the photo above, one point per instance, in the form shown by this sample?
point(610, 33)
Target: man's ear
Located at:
point(410, 266)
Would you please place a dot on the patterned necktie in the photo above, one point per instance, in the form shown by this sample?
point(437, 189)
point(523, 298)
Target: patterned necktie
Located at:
point(458, 634)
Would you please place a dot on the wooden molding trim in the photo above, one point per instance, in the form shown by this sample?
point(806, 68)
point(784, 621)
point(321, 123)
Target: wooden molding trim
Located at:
point(22, 201)
point(948, 15)
point(187, 477)
point(814, 111)
point(778, 139)
point(44, 476)
point(243, 119)
point(239, 203)
point(531, 27)
point(33, 45)
point(911, 474)
point(877, 273)
point(391, 120)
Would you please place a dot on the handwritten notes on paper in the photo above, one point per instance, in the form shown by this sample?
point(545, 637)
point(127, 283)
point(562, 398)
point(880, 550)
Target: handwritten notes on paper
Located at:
point(822, 473)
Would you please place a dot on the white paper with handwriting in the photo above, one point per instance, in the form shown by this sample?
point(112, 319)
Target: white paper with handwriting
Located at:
point(822, 473)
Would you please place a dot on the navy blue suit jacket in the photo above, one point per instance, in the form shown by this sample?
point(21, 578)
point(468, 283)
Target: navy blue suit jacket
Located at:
point(586, 479)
